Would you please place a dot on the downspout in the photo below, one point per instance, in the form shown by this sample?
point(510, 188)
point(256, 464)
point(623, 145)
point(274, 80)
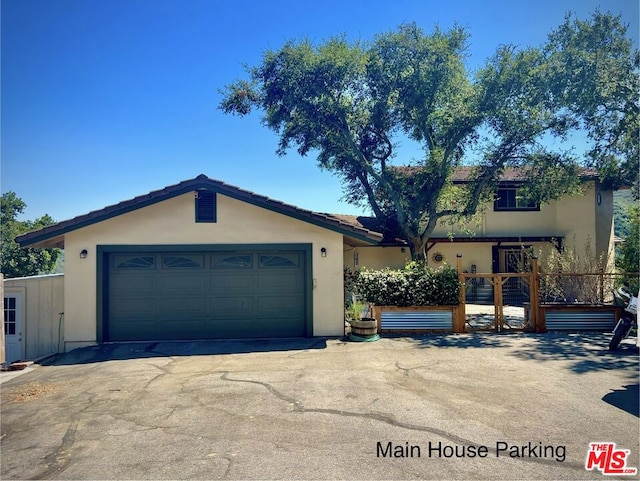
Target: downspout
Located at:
point(60, 318)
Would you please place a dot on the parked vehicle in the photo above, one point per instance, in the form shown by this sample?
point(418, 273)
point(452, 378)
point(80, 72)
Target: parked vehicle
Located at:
point(629, 317)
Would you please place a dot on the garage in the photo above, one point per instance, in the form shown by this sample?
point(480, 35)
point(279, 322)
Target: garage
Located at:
point(205, 294)
point(201, 259)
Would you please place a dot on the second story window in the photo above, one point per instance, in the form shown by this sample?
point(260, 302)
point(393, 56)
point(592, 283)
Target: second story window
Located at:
point(512, 197)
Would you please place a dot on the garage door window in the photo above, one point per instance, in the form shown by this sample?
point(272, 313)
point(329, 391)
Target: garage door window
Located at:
point(279, 261)
point(138, 262)
point(182, 262)
point(232, 262)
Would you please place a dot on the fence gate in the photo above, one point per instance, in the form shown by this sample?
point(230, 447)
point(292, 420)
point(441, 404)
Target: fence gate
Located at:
point(496, 302)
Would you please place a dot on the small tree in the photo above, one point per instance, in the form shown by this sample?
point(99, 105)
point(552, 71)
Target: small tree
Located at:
point(14, 260)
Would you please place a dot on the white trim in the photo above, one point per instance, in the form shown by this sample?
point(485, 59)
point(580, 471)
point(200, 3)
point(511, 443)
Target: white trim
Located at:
point(41, 276)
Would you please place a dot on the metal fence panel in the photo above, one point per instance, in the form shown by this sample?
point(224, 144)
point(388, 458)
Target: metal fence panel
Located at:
point(580, 321)
point(405, 320)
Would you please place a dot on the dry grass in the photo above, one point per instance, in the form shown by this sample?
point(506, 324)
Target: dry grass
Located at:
point(28, 392)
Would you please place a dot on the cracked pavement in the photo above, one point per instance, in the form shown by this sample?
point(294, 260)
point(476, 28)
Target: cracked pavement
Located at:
point(316, 408)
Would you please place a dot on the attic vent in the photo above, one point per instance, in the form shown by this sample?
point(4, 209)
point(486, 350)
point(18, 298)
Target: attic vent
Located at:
point(205, 206)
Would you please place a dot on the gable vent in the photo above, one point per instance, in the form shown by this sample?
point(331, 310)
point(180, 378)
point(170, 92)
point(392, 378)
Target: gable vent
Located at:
point(205, 206)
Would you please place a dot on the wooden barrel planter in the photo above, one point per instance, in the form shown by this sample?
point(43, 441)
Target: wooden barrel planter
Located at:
point(366, 329)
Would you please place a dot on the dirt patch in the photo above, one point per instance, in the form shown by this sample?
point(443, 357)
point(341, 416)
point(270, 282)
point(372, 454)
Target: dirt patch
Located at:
point(29, 392)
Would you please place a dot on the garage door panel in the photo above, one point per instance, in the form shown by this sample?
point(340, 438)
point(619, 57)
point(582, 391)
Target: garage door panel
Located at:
point(280, 306)
point(183, 284)
point(229, 327)
point(139, 330)
point(182, 307)
point(154, 330)
point(133, 285)
point(232, 328)
point(232, 306)
point(206, 295)
point(180, 328)
point(275, 282)
point(134, 308)
point(266, 327)
point(223, 282)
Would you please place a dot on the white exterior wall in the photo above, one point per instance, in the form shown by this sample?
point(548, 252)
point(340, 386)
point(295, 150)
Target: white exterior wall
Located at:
point(375, 257)
point(604, 238)
point(173, 222)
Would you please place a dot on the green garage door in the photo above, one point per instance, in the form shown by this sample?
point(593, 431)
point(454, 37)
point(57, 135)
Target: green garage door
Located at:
point(208, 295)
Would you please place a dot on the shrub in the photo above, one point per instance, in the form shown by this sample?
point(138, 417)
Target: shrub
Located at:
point(415, 285)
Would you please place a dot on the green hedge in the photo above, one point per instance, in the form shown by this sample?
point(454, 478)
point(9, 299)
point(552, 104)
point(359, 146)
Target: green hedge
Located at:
point(415, 285)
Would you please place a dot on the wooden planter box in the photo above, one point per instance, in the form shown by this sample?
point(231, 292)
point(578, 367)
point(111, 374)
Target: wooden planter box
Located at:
point(578, 317)
point(418, 319)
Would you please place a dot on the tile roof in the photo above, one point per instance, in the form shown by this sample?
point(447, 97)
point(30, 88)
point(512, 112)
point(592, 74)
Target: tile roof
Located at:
point(367, 229)
point(52, 235)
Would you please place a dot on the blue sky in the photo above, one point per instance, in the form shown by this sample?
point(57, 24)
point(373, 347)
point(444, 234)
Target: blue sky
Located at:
point(103, 100)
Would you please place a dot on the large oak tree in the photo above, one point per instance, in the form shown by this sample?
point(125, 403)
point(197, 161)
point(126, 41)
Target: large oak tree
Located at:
point(352, 103)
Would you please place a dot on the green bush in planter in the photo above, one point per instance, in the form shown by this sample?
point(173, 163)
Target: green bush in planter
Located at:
point(415, 285)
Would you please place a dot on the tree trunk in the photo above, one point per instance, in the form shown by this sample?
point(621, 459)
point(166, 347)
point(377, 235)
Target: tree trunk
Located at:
point(418, 249)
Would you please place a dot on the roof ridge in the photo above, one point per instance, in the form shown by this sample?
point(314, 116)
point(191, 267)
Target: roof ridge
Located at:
point(200, 182)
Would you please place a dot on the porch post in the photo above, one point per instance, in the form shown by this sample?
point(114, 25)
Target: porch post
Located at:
point(534, 294)
point(462, 315)
point(497, 302)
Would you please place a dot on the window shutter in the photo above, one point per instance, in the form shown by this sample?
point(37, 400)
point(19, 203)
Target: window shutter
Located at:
point(205, 206)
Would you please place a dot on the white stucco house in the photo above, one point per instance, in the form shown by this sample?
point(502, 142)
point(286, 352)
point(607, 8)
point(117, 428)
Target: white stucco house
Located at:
point(494, 240)
point(202, 259)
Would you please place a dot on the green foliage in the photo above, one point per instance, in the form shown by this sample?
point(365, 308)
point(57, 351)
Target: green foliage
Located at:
point(349, 278)
point(628, 255)
point(14, 260)
point(623, 202)
point(356, 310)
point(353, 103)
point(593, 68)
point(415, 285)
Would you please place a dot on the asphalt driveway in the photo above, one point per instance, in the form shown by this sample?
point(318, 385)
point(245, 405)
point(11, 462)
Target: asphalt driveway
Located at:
point(471, 406)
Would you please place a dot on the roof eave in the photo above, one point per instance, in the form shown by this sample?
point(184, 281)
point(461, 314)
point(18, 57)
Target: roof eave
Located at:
point(53, 236)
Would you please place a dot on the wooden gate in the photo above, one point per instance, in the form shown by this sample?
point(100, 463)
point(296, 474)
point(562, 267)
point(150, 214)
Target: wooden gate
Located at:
point(504, 301)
